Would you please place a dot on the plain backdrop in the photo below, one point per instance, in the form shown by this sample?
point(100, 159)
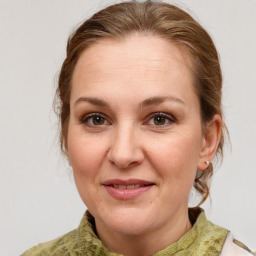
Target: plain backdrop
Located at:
point(39, 200)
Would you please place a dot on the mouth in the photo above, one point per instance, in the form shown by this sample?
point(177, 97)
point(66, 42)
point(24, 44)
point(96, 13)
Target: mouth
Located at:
point(127, 189)
point(127, 184)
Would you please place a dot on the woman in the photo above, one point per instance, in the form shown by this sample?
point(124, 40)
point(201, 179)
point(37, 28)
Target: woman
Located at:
point(141, 121)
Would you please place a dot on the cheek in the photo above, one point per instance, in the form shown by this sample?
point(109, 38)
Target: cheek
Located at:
point(176, 164)
point(85, 154)
point(176, 158)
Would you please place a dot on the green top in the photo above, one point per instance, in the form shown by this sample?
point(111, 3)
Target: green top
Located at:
point(204, 238)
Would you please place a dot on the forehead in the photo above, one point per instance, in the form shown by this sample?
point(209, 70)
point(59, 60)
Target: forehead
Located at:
point(137, 60)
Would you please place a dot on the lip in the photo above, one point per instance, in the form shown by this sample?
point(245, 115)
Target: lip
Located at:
point(126, 182)
point(128, 193)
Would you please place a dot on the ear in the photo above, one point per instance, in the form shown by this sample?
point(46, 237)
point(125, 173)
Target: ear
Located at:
point(65, 150)
point(67, 157)
point(210, 142)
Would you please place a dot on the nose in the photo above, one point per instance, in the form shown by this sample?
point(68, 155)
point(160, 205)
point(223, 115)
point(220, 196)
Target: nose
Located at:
point(125, 148)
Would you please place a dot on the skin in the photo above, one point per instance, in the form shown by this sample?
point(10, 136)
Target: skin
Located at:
point(136, 78)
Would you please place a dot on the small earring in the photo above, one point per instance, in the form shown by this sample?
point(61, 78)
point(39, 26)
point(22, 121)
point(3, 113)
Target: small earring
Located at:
point(207, 162)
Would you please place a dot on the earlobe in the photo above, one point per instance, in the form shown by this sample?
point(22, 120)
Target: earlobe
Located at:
point(65, 150)
point(69, 162)
point(67, 156)
point(212, 133)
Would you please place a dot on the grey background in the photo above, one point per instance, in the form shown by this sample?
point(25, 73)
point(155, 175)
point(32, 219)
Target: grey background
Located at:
point(38, 197)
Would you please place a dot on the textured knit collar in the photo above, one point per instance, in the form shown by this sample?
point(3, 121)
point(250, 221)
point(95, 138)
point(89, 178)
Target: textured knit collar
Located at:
point(204, 238)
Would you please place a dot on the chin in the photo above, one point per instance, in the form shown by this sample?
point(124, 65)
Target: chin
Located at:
point(127, 221)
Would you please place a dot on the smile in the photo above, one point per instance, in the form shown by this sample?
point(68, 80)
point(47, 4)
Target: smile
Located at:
point(127, 187)
point(126, 190)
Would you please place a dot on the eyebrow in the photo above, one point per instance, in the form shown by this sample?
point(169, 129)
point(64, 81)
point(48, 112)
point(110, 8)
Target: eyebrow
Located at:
point(93, 101)
point(160, 99)
point(146, 103)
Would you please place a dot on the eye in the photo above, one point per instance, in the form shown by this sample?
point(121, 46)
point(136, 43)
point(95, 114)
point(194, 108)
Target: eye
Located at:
point(160, 119)
point(94, 119)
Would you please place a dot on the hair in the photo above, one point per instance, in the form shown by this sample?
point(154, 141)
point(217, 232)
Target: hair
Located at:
point(157, 19)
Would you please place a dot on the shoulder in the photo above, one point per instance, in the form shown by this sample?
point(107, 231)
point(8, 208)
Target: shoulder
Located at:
point(59, 246)
point(235, 248)
point(80, 241)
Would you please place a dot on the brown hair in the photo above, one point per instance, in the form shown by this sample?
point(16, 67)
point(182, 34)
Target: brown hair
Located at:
point(154, 18)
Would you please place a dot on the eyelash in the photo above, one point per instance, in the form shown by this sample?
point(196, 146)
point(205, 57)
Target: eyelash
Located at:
point(167, 118)
point(85, 119)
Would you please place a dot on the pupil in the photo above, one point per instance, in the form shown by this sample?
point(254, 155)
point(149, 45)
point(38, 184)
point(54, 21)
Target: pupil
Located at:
point(98, 120)
point(159, 120)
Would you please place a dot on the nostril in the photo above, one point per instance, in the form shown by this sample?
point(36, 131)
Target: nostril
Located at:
point(125, 151)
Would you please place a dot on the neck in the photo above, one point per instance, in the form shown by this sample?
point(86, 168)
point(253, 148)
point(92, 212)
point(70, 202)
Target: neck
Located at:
point(149, 242)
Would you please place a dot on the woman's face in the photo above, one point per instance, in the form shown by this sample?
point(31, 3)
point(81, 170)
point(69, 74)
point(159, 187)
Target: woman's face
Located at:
point(134, 137)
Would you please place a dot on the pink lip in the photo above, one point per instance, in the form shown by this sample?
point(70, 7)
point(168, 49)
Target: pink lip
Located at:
point(126, 182)
point(129, 193)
